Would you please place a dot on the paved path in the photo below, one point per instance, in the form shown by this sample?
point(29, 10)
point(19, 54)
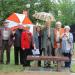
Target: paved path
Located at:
point(36, 73)
point(72, 74)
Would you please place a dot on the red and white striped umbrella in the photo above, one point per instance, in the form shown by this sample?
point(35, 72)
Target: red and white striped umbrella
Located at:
point(16, 19)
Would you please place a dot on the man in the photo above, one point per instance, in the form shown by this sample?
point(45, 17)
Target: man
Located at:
point(58, 31)
point(17, 45)
point(0, 43)
point(47, 41)
point(6, 42)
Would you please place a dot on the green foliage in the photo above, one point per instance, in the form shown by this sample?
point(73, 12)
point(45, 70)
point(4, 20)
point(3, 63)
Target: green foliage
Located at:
point(66, 7)
point(67, 12)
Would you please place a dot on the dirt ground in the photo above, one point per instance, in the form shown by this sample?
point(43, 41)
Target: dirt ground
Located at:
point(35, 73)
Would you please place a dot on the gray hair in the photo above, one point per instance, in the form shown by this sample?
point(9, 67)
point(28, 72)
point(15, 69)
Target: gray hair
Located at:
point(58, 23)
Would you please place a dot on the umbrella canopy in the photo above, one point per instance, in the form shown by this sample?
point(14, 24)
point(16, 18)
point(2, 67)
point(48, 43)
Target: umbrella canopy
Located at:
point(16, 19)
point(44, 16)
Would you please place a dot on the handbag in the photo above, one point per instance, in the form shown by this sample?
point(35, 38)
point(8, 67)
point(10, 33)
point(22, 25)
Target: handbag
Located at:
point(36, 52)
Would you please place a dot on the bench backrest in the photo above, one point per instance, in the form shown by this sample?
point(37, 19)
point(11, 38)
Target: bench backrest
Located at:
point(52, 58)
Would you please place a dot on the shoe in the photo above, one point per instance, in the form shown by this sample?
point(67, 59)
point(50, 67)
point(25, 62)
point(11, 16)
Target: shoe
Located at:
point(39, 65)
point(46, 66)
point(67, 69)
point(7, 62)
point(16, 64)
point(2, 63)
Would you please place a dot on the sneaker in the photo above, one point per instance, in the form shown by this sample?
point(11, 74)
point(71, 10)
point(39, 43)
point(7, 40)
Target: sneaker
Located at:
point(67, 69)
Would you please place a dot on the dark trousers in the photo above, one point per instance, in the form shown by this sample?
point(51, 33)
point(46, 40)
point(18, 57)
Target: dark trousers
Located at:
point(67, 63)
point(18, 55)
point(5, 46)
point(53, 53)
point(39, 62)
point(26, 52)
point(0, 53)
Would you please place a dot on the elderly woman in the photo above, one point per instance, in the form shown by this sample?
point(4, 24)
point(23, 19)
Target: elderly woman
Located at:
point(26, 42)
point(67, 45)
point(37, 41)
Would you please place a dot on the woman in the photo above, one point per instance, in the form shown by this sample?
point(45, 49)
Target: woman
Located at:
point(26, 41)
point(37, 41)
point(67, 45)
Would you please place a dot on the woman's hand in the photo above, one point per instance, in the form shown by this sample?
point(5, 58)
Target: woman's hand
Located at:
point(72, 52)
point(23, 48)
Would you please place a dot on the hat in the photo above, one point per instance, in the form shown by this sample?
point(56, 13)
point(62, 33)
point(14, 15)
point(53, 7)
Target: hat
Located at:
point(20, 26)
point(67, 27)
point(27, 27)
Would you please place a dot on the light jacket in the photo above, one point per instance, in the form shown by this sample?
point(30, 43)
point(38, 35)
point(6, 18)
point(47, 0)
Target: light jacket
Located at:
point(55, 35)
point(67, 43)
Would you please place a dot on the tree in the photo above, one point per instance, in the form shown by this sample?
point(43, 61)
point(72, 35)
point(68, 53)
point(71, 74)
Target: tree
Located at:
point(67, 12)
point(66, 7)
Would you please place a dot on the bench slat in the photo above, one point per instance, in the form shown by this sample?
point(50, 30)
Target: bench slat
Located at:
point(52, 58)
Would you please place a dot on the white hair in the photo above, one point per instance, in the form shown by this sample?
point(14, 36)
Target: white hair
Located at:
point(67, 27)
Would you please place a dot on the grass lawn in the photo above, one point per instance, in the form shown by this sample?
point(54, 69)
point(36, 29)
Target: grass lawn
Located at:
point(14, 68)
point(11, 67)
point(73, 68)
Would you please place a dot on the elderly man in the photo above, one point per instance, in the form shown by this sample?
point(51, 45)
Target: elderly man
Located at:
point(6, 42)
point(0, 43)
point(47, 41)
point(58, 31)
point(17, 45)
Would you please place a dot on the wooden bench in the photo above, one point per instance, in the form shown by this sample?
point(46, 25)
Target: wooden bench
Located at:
point(50, 58)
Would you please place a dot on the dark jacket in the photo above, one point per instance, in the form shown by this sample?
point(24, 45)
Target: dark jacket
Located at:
point(17, 36)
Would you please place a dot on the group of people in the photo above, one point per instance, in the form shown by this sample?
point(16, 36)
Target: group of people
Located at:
point(21, 40)
point(50, 41)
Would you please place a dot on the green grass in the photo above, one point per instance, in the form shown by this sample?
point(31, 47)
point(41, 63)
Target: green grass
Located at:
point(11, 56)
point(11, 67)
point(73, 68)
